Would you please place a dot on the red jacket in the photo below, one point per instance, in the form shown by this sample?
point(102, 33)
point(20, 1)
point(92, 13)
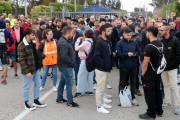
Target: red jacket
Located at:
point(25, 25)
point(178, 24)
point(13, 47)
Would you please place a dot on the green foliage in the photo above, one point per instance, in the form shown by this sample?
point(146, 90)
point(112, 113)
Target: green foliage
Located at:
point(150, 14)
point(173, 7)
point(5, 7)
point(40, 8)
point(70, 7)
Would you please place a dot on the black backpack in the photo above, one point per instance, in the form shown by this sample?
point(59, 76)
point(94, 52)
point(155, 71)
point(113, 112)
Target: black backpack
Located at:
point(90, 62)
point(2, 38)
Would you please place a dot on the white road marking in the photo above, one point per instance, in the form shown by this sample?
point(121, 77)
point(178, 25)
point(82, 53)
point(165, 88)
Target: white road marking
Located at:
point(25, 112)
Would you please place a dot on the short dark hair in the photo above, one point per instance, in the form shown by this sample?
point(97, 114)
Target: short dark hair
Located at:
point(144, 23)
point(34, 23)
point(116, 16)
point(132, 19)
point(87, 20)
point(102, 20)
point(58, 20)
point(164, 19)
point(137, 24)
point(75, 20)
point(82, 22)
point(103, 28)
point(108, 24)
point(110, 20)
point(7, 21)
point(127, 30)
point(153, 30)
point(66, 30)
point(68, 18)
point(167, 26)
point(28, 31)
point(125, 17)
point(138, 20)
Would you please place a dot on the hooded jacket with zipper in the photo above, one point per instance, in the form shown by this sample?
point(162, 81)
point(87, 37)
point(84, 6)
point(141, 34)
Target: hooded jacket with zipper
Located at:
point(123, 48)
point(7, 35)
point(171, 52)
point(65, 54)
point(103, 55)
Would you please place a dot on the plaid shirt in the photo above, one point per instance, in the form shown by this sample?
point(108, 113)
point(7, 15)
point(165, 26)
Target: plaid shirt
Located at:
point(26, 59)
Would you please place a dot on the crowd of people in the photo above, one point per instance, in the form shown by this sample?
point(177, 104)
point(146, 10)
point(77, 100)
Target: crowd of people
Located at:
point(132, 45)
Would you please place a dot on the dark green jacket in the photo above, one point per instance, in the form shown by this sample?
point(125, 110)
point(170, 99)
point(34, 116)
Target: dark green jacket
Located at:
point(26, 59)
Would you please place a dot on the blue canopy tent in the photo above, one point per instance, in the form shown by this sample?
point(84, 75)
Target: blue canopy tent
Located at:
point(94, 8)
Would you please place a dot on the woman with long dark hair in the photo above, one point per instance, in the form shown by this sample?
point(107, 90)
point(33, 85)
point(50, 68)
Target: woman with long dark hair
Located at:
point(84, 77)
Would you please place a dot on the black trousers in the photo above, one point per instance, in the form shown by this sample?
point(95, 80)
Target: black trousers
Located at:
point(124, 75)
point(153, 97)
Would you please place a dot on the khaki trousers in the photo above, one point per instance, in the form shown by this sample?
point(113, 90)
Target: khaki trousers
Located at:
point(169, 79)
point(101, 78)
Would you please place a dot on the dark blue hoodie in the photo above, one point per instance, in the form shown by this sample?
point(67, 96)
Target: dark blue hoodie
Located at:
point(123, 47)
point(7, 34)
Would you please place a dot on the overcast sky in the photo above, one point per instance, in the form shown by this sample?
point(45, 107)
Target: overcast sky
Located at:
point(129, 5)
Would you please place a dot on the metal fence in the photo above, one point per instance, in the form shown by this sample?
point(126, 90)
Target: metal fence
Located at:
point(65, 13)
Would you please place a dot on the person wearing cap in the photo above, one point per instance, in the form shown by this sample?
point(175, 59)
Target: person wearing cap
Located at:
point(41, 29)
point(127, 53)
point(136, 37)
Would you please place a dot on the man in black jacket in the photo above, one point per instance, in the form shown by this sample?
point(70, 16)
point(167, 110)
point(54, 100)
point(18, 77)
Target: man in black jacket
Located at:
point(76, 35)
point(66, 63)
point(103, 58)
point(169, 76)
point(145, 41)
point(41, 29)
point(58, 31)
point(92, 20)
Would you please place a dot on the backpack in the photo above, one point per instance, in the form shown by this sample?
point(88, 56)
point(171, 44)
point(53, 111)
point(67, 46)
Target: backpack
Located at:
point(2, 38)
point(91, 46)
point(90, 62)
point(161, 61)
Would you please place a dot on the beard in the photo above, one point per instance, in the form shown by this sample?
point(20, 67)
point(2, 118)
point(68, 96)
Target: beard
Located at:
point(59, 26)
point(107, 35)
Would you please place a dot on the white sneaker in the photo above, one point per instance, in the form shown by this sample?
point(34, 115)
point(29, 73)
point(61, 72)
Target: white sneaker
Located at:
point(55, 89)
point(107, 96)
point(107, 100)
point(135, 102)
point(102, 110)
point(41, 89)
point(107, 106)
point(1, 69)
point(108, 86)
point(178, 75)
point(95, 86)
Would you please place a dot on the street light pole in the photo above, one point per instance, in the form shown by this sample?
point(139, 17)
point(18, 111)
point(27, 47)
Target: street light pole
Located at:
point(75, 4)
point(25, 7)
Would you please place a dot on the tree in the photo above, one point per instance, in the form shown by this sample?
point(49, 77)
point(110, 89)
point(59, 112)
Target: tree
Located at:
point(118, 5)
point(159, 3)
point(150, 14)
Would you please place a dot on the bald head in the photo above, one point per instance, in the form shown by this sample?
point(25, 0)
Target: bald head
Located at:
point(92, 19)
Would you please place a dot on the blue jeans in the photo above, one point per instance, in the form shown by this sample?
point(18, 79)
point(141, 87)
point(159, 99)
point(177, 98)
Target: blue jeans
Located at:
point(27, 84)
point(45, 72)
point(140, 67)
point(178, 71)
point(84, 77)
point(66, 79)
point(76, 69)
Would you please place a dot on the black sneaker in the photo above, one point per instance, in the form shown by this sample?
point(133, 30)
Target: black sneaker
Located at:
point(61, 101)
point(138, 92)
point(37, 103)
point(144, 116)
point(29, 106)
point(48, 74)
point(159, 115)
point(77, 95)
point(89, 93)
point(72, 104)
point(4, 82)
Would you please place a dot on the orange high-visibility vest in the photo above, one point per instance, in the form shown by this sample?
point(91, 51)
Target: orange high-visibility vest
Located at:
point(50, 52)
point(37, 42)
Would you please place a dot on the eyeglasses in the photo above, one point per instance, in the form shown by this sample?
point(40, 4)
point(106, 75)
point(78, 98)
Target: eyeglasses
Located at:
point(162, 30)
point(51, 34)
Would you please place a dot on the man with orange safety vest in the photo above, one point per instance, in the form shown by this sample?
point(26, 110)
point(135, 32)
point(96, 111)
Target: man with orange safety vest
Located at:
point(36, 28)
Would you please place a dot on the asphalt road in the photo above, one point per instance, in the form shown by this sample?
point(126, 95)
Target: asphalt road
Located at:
point(12, 104)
